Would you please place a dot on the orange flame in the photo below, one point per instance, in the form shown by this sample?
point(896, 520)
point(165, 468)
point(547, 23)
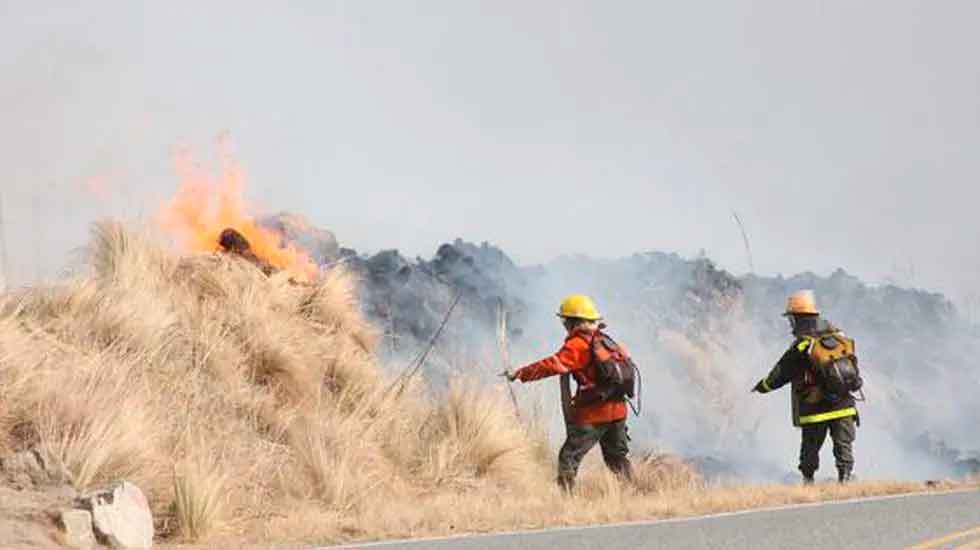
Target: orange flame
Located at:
point(204, 206)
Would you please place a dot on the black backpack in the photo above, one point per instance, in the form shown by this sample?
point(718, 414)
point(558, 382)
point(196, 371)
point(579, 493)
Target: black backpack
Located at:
point(617, 376)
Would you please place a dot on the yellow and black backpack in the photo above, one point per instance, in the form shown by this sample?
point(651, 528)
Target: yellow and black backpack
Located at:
point(835, 364)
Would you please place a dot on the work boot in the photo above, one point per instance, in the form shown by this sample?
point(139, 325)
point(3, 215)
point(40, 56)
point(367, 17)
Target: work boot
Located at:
point(844, 476)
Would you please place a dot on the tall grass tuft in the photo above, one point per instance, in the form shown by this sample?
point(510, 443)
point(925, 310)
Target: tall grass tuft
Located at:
point(199, 499)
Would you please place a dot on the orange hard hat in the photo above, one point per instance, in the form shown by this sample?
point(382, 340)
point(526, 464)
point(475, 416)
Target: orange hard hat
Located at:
point(801, 302)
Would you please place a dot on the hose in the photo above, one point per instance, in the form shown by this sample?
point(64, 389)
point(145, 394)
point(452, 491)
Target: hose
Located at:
point(638, 408)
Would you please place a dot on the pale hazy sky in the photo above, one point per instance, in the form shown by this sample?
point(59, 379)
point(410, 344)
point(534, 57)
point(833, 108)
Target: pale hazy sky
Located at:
point(844, 133)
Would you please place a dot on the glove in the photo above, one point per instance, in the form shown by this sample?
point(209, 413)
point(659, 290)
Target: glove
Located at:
point(759, 387)
point(509, 375)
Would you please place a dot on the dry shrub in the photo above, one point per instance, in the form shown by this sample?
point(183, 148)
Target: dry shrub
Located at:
point(653, 473)
point(338, 455)
point(199, 498)
point(101, 429)
point(602, 487)
point(473, 434)
point(17, 369)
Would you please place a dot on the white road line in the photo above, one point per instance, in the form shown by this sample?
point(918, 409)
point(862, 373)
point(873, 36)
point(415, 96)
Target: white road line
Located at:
point(645, 523)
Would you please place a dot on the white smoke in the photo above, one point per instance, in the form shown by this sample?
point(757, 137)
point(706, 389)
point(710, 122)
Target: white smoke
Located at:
point(703, 344)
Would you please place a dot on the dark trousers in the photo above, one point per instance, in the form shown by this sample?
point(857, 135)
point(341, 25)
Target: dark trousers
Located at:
point(842, 432)
point(612, 438)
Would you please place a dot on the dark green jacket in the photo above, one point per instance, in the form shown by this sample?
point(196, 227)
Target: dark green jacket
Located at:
point(810, 403)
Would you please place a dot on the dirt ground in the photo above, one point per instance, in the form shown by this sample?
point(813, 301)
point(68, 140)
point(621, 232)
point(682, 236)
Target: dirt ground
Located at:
point(27, 519)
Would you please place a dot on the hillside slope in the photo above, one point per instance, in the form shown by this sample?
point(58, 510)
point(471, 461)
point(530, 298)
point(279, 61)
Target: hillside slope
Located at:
point(242, 404)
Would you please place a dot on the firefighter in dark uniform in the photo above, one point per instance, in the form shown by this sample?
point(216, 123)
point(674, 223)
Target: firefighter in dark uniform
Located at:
point(822, 369)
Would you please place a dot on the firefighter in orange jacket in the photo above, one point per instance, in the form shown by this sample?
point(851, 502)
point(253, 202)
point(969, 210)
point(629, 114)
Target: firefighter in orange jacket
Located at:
point(589, 420)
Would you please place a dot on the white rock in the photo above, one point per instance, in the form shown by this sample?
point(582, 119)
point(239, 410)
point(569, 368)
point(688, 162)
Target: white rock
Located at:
point(121, 516)
point(76, 525)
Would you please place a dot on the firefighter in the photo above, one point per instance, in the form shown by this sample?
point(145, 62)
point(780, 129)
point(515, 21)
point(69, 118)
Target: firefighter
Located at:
point(822, 369)
point(597, 413)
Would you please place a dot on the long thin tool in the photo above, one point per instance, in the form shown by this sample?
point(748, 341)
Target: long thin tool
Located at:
point(505, 351)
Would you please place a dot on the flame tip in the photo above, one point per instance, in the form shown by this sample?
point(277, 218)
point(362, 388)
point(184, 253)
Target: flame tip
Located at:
point(203, 208)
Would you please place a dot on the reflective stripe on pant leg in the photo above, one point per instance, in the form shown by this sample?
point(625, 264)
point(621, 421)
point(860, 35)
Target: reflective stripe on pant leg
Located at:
point(843, 432)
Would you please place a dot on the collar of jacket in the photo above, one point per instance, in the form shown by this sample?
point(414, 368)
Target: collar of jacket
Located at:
point(581, 333)
point(822, 327)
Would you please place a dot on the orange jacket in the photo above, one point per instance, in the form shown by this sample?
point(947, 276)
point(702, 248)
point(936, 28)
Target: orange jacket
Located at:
point(575, 357)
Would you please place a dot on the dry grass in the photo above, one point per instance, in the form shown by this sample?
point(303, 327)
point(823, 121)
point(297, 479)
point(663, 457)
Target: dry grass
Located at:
point(233, 398)
point(199, 499)
point(251, 410)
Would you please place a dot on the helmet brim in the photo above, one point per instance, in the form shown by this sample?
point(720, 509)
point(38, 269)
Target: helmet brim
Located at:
point(563, 317)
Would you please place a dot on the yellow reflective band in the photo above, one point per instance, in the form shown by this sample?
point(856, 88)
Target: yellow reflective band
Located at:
point(803, 345)
point(832, 415)
point(765, 384)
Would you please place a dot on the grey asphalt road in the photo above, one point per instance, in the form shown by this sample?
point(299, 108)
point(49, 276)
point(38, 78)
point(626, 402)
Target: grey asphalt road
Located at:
point(921, 521)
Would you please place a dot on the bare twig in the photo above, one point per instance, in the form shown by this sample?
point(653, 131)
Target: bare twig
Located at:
point(402, 380)
point(745, 239)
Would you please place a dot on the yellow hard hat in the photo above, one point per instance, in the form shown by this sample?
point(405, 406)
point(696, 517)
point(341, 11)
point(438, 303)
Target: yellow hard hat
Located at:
point(579, 306)
point(801, 302)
